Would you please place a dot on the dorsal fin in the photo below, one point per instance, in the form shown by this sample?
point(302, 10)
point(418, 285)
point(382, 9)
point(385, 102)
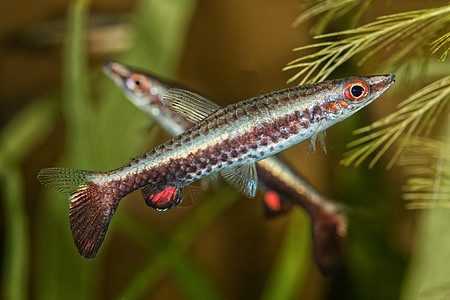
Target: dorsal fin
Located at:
point(243, 177)
point(162, 199)
point(189, 104)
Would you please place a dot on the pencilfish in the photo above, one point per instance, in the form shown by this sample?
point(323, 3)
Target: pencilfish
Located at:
point(228, 139)
point(282, 187)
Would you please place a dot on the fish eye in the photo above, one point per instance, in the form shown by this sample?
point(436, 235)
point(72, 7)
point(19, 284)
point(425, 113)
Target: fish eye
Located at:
point(138, 82)
point(356, 90)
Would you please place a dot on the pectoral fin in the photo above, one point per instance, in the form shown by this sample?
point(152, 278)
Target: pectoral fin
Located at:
point(243, 177)
point(320, 135)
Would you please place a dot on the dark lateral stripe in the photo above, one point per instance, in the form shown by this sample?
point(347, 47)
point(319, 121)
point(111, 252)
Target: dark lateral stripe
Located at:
point(206, 159)
point(184, 170)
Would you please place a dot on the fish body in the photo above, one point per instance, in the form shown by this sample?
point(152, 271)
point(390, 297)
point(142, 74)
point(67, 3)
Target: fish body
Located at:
point(146, 92)
point(243, 133)
point(282, 187)
point(228, 139)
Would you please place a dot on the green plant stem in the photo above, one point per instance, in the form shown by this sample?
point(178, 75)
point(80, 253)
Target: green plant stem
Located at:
point(25, 131)
point(18, 139)
point(178, 244)
point(76, 104)
point(15, 263)
point(185, 271)
point(60, 267)
point(292, 262)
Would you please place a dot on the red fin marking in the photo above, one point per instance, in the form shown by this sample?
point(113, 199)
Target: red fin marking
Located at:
point(274, 204)
point(272, 200)
point(162, 199)
point(91, 206)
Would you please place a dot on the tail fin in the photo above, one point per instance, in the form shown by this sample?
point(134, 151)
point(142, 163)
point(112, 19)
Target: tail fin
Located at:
point(91, 206)
point(329, 230)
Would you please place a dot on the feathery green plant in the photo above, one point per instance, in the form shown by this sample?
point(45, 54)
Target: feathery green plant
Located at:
point(407, 32)
point(331, 10)
point(404, 40)
point(426, 162)
point(439, 43)
point(397, 35)
point(429, 188)
point(415, 115)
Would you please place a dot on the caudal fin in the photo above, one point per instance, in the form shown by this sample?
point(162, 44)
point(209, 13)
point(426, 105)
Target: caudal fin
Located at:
point(91, 206)
point(329, 230)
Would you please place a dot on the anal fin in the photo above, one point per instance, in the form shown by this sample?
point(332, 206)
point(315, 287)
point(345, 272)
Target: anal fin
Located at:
point(162, 199)
point(243, 177)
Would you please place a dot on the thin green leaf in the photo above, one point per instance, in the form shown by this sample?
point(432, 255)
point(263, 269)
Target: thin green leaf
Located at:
point(439, 43)
point(331, 10)
point(320, 8)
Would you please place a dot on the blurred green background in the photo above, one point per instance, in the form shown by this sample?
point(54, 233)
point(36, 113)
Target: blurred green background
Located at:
point(58, 109)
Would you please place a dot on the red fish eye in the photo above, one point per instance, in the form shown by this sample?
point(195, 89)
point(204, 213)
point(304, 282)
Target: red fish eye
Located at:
point(138, 82)
point(356, 90)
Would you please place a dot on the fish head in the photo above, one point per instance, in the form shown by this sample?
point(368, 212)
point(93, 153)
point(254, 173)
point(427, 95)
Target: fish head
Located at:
point(351, 94)
point(141, 88)
point(359, 91)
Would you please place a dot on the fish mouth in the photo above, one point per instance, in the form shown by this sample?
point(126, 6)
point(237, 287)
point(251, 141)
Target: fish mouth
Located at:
point(116, 72)
point(389, 78)
point(380, 83)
